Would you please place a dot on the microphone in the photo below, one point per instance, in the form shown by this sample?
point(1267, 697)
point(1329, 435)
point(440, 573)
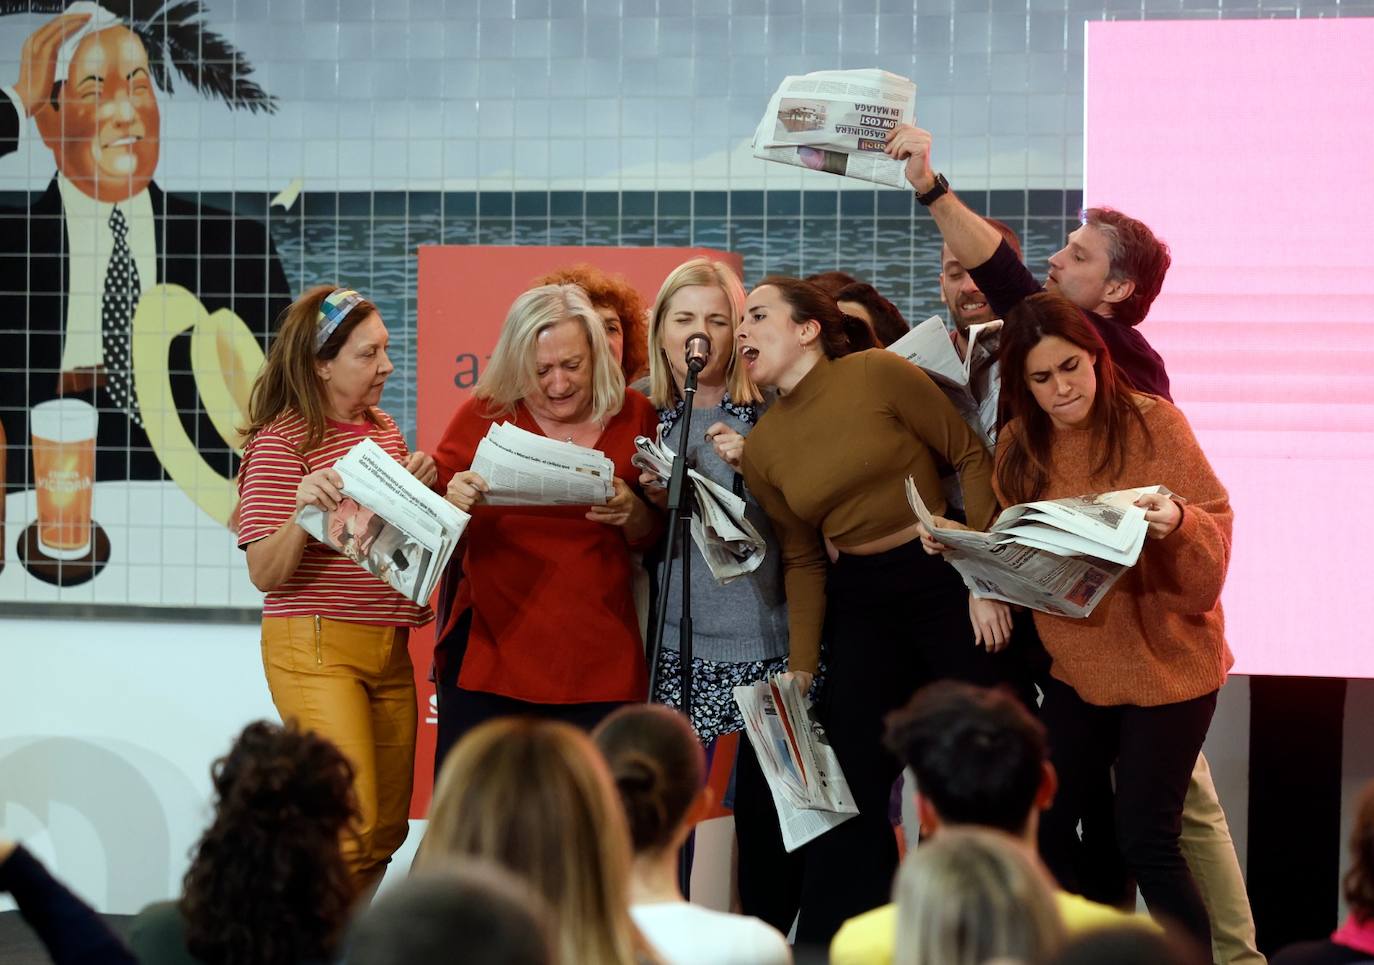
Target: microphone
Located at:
point(698, 351)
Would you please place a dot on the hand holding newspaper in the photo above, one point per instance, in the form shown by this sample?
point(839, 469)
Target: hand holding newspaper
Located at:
point(803, 773)
point(526, 469)
point(730, 544)
point(837, 121)
point(388, 522)
point(974, 394)
point(1058, 556)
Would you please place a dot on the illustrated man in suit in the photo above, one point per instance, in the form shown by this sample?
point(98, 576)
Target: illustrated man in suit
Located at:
point(74, 263)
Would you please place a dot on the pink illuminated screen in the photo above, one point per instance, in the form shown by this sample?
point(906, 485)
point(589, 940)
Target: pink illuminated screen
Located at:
point(1247, 146)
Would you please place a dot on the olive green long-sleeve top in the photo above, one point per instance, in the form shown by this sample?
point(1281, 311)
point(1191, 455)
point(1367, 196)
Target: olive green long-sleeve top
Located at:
point(831, 457)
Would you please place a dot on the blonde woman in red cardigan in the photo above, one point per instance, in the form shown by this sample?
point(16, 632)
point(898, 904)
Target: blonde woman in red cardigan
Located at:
point(1133, 686)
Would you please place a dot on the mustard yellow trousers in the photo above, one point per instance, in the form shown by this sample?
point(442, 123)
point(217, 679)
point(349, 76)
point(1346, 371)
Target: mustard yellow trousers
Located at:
point(353, 684)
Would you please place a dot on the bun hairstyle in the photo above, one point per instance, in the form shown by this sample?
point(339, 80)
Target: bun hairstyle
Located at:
point(658, 767)
point(841, 334)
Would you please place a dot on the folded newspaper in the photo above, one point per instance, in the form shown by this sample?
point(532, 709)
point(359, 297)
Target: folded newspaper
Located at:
point(730, 544)
point(837, 121)
point(1058, 556)
point(972, 390)
point(527, 469)
point(388, 522)
point(803, 773)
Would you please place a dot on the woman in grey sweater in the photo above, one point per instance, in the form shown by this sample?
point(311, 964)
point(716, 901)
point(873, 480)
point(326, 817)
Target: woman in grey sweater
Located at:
point(739, 630)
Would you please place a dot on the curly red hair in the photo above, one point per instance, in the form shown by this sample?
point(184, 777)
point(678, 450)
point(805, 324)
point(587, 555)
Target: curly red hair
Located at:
point(616, 293)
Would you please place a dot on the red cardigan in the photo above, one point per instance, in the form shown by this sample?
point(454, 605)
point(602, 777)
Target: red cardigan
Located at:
point(551, 593)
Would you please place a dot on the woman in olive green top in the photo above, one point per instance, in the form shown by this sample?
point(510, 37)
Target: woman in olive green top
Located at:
point(828, 463)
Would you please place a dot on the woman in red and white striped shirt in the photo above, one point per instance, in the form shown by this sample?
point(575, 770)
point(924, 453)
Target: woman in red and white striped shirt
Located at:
point(334, 637)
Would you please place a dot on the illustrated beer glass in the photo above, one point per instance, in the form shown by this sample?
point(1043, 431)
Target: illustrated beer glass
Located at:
point(63, 471)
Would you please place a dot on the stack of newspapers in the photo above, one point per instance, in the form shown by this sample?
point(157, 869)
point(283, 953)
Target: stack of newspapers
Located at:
point(388, 522)
point(729, 543)
point(974, 393)
point(527, 469)
point(804, 776)
point(1059, 556)
point(837, 121)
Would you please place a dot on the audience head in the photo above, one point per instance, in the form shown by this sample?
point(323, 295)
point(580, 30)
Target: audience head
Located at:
point(965, 300)
point(831, 282)
point(328, 357)
point(1359, 880)
point(267, 882)
point(700, 295)
point(535, 797)
point(1113, 265)
point(552, 355)
point(1130, 945)
point(1057, 374)
point(978, 755)
point(787, 322)
point(659, 769)
point(970, 895)
point(477, 913)
point(620, 308)
point(863, 301)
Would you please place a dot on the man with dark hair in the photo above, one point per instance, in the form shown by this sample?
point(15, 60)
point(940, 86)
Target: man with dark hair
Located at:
point(1112, 268)
point(864, 301)
point(980, 761)
point(477, 914)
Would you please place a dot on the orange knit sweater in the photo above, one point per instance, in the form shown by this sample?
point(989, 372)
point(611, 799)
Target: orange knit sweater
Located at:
point(1158, 637)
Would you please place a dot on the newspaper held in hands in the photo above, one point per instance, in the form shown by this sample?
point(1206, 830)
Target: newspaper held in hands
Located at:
point(388, 522)
point(1058, 556)
point(809, 789)
point(974, 393)
point(526, 469)
point(730, 544)
point(837, 121)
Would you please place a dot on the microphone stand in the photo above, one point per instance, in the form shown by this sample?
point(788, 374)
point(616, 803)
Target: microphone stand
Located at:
point(679, 531)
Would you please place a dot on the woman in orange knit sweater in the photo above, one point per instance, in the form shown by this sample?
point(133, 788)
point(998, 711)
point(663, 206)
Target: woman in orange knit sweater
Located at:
point(1135, 684)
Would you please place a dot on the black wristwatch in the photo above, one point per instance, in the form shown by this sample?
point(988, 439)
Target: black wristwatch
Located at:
point(937, 191)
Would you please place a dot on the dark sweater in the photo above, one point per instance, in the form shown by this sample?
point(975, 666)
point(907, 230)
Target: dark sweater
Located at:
point(69, 928)
point(1004, 281)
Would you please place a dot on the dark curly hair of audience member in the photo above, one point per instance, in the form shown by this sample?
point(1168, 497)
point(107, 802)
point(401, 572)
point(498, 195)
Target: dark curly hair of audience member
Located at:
point(659, 769)
point(267, 883)
point(1130, 945)
point(886, 318)
point(841, 334)
point(614, 292)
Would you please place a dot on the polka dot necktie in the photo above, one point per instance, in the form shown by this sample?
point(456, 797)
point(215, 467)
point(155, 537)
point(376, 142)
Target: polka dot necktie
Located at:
point(116, 317)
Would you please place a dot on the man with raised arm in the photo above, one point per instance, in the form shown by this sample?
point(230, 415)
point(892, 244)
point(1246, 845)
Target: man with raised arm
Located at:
point(1112, 268)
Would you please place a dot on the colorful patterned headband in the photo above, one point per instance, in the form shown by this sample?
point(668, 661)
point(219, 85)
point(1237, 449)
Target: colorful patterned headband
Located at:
point(336, 306)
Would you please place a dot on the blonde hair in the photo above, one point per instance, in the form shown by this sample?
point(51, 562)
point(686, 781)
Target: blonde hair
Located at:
point(968, 895)
point(511, 374)
point(535, 797)
point(288, 380)
point(663, 388)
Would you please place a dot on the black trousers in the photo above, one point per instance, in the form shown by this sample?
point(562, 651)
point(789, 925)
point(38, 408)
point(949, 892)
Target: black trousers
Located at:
point(895, 622)
point(1154, 750)
point(461, 710)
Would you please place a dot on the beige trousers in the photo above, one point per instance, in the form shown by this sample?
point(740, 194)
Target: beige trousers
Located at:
point(1211, 855)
